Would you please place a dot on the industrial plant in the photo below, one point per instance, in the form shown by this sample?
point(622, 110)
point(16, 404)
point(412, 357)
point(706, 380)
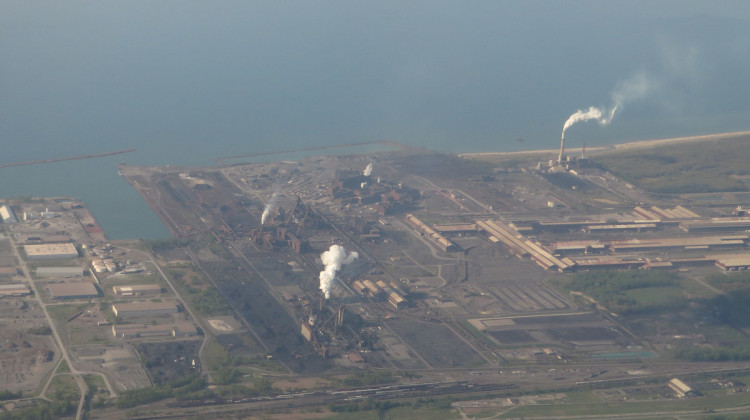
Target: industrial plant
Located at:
point(479, 276)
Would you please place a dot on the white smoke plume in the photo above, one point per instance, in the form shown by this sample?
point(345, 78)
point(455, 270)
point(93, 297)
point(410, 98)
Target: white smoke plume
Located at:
point(593, 113)
point(368, 170)
point(626, 91)
point(270, 206)
point(630, 90)
point(333, 259)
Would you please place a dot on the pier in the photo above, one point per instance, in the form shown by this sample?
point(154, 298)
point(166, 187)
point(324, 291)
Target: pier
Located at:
point(37, 162)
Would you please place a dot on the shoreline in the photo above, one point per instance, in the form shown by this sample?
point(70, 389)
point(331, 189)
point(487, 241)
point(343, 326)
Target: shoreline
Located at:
point(632, 145)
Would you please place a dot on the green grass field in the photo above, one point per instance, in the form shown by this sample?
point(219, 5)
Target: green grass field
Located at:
point(62, 386)
point(654, 408)
point(399, 413)
point(700, 168)
point(710, 166)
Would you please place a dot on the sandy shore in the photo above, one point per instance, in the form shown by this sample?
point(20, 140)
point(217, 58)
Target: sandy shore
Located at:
point(639, 144)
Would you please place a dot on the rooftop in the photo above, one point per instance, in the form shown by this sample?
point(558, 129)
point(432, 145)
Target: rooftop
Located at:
point(144, 306)
point(73, 289)
point(51, 250)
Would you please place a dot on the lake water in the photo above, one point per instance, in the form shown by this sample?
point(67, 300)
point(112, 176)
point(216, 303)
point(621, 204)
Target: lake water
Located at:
point(185, 82)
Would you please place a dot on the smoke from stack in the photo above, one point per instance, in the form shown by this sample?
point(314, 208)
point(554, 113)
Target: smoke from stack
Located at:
point(593, 113)
point(629, 90)
point(368, 170)
point(626, 91)
point(270, 206)
point(333, 260)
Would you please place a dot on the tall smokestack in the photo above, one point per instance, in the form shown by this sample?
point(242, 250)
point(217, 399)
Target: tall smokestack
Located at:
point(562, 149)
point(333, 259)
point(593, 113)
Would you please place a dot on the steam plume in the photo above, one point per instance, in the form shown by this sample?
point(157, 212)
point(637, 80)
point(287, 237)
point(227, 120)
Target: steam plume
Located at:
point(368, 170)
point(626, 91)
point(270, 206)
point(333, 259)
point(593, 113)
point(629, 90)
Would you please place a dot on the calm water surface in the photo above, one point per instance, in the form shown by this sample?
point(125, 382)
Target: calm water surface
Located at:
point(185, 82)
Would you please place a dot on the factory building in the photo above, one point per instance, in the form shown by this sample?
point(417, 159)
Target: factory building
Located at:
point(372, 289)
point(50, 251)
point(734, 262)
point(457, 229)
point(59, 272)
point(651, 244)
point(135, 309)
point(564, 226)
point(680, 388)
point(7, 260)
point(622, 227)
point(359, 287)
point(694, 261)
point(717, 224)
point(642, 221)
point(383, 285)
point(181, 329)
point(425, 230)
point(45, 239)
point(655, 264)
point(499, 232)
point(728, 262)
point(396, 300)
point(7, 215)
point(397, 288)
point(694, 242)
point(14, 290)
point(137, 290)
point(73, 290)
point(308, 333)
point(394, 297)
point(656, 213)
point(607, 262)
point(579, 247)
point(8, 271)
point(184, 329)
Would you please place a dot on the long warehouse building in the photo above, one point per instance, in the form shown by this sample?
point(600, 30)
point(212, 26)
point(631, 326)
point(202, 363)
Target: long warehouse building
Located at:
point(650, 244)
point(134, 309)
point(522, 247)
point(425, 230)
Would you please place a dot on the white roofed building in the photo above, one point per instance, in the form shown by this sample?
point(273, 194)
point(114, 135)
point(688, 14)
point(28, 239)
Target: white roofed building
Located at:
point(135, 309)
point(7, 215)
point(137, 290)
point(50, 251)
point(59, 272)
point(14, 290)
point(73, 290)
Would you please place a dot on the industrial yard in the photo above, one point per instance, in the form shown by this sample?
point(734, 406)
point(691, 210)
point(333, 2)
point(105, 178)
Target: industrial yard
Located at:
point(75, 307)
point(435, 268)
point(460, 263)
